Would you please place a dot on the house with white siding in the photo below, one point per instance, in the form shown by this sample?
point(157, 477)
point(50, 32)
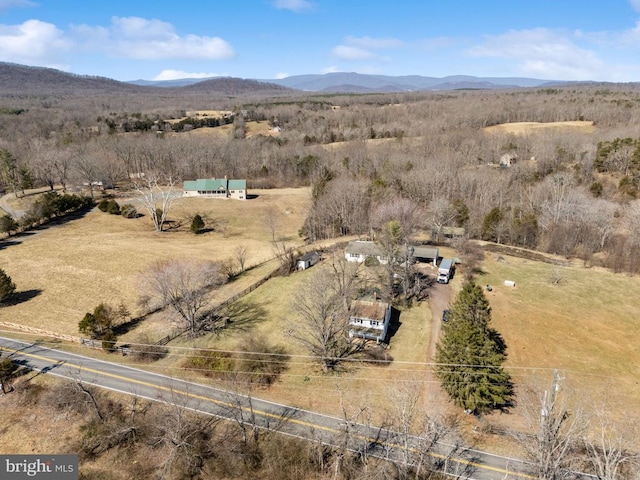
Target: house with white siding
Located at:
point(359, 250)
point(369, 319)
point(215, 188)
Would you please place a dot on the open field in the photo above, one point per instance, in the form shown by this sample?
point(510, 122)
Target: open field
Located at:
point(585, 326)
point(67, 270)
point(252, 128)
point(523, 128)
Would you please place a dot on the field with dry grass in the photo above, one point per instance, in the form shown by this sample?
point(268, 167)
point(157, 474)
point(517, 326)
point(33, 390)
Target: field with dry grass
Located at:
point(253, 128)
point(523, 128)
point(580, 321)
point(67, 270)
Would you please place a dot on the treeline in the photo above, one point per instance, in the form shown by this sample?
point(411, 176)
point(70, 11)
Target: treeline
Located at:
point(46, 208)
point(567, 191)
point(137, 122)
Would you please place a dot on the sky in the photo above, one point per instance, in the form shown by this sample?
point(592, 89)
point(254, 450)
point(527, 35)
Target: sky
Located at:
point(125, 40)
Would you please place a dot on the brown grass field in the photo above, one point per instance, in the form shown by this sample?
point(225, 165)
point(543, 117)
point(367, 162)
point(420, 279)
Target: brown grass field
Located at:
point(99, 258)
point(522, 128)
point(582, 326)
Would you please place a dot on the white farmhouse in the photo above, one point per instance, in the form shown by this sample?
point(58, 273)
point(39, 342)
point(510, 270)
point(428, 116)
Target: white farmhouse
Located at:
point(369, 319)
point(215, 188)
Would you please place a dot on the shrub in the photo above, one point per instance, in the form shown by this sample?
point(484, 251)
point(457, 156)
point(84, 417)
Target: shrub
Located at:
point(371, 261)
point(210, 363)
point(145, 351)
point(103, 206)
point(7, 287)
point(128, 211)
point(113, 208)
point(197, 223)
point(265, 362)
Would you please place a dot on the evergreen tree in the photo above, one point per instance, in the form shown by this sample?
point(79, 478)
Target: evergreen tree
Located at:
point(100, 325)
point(7, 287)
point(470, 355)
point(8, 224)
point(197, 223)
point(490, 225)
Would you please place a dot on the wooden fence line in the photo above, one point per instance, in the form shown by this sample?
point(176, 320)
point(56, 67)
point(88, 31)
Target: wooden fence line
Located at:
point(217, 308)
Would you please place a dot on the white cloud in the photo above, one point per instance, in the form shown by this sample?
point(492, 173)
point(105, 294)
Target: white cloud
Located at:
point(179, 74)
point(6, 4)
point(293, 5)
point(143, 39)
point(374, 43)
point(33, 42)
point(542, 53)
point(365, 48)
point(281, 75)
point(347, 52)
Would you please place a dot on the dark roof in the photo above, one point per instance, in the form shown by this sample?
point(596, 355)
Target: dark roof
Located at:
point(214, 184)
point(422, 251)
point(364, 247)
point(309, 256)
point(369, 310)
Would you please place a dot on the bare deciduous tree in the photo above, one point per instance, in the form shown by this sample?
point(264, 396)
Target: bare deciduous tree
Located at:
point(184, 287)
point(324, 324)
point(554, 432)
point(440, 213)
point(610, 448)
point(157, 194)
point(240, 253)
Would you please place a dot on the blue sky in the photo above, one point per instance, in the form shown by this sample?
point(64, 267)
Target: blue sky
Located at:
point(265, 39)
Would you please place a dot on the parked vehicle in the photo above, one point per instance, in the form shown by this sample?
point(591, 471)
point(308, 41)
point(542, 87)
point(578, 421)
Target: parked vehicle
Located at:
point(446, 314)
point(445, 270)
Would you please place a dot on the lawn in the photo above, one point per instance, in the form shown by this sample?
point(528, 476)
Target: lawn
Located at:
point(67, 270)
point(585, 326)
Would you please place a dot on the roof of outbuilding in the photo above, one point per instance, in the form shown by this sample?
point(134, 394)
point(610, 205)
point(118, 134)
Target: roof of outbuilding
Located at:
point(421, 251)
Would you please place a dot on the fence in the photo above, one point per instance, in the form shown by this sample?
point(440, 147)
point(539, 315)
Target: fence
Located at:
point(87, 342)
point(219, 307)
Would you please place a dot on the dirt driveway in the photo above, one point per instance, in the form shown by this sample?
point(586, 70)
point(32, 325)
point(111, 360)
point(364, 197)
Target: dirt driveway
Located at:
point(439, 299)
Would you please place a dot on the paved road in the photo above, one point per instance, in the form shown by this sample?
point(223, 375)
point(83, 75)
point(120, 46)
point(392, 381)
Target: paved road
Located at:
point(288, 420)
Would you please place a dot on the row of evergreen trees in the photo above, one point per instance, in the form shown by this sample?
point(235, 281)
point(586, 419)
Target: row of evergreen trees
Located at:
point(48, 206)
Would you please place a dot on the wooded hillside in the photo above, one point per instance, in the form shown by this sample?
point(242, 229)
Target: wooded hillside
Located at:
point(565, 190)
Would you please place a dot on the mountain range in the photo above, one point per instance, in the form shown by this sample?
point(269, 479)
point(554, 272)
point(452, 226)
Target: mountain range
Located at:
point(17, 79)
point(351, 82)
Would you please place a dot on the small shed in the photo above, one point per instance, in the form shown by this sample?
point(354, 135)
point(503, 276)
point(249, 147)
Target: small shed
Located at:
point(307, 260)
point(423, 253)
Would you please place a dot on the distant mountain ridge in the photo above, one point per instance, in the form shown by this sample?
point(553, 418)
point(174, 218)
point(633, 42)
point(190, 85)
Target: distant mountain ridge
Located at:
point(351, 82)
point(18, 79)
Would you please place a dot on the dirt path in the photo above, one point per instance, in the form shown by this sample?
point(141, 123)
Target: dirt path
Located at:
point(439, 299)
point(4, 205)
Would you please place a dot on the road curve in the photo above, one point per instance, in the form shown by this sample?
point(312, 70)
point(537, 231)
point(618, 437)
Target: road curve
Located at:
point(374, 441)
